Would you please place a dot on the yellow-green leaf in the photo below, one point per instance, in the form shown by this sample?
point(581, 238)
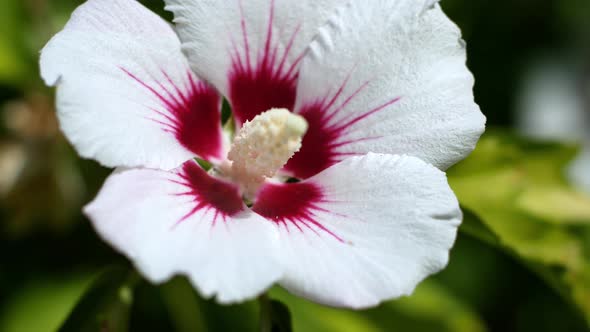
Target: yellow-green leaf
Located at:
point(13, 65)
point(517, 189)
point(556, 205)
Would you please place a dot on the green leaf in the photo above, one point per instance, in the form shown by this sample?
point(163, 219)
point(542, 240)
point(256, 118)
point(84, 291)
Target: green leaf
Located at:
point(208, 314)
point(13, 65)
point(473, 226)
point(47, 299)
point(226, 114)
point(274, 315)
point(517, 199)
point(430, 308)
point(183, 305)
point(431, 302)
point(556, 205)
point(309, 316)
point(281, 317)
point(105, 305)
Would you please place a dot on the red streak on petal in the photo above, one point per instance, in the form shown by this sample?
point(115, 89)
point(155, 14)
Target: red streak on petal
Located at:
point(191, 113)
point(293, 204)
point(267, 84)
point(208, 193)
point(326, 134)
point(245, 34)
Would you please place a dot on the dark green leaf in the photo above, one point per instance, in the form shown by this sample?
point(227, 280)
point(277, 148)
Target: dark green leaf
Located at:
point(183, 305)
point(280, 317)
point(225, 111)
point(105, 305)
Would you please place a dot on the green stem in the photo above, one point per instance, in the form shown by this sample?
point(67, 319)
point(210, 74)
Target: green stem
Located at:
point(265, 314)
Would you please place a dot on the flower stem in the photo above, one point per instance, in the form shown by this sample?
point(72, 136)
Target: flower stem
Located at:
point(265, 313)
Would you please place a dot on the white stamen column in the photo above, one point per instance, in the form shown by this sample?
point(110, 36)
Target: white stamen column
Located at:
point(263, 146)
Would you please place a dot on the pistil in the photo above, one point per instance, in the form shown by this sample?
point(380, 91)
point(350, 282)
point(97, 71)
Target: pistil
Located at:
point(263, 146)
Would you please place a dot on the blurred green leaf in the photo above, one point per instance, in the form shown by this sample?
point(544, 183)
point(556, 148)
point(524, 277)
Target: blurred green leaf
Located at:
point(497, 149)
point(309, 316)
point(183, 305)
point(555, 204)
point(516, 189)
point(48, 301)
point(13, 65)
point(190, 312)
point(430, 308)
point(473, 226)
point(105, 305)
point(274, 316)
point(432, 302)
point(280, 317)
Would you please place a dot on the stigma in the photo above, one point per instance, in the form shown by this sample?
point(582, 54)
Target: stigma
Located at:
point(264, 145)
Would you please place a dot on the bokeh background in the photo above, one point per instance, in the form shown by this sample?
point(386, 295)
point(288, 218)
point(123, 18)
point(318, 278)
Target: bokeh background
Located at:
point(521, 262)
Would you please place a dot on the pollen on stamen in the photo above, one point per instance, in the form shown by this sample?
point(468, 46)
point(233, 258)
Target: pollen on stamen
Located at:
point(264, 145)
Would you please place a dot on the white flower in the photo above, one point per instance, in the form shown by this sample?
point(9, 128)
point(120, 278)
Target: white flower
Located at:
point(387, 99)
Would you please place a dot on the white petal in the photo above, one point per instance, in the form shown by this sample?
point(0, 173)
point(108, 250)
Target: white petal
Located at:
point(387, 76)
point(186, 222)
point(364, 230)
point(126, 95)
point(250, 49)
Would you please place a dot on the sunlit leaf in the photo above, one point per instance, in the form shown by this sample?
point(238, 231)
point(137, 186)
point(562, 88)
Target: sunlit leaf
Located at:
point(558, 205)
point(517, 190)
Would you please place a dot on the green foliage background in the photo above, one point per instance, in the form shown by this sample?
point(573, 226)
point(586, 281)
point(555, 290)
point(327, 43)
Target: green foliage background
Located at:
point(522, 258)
